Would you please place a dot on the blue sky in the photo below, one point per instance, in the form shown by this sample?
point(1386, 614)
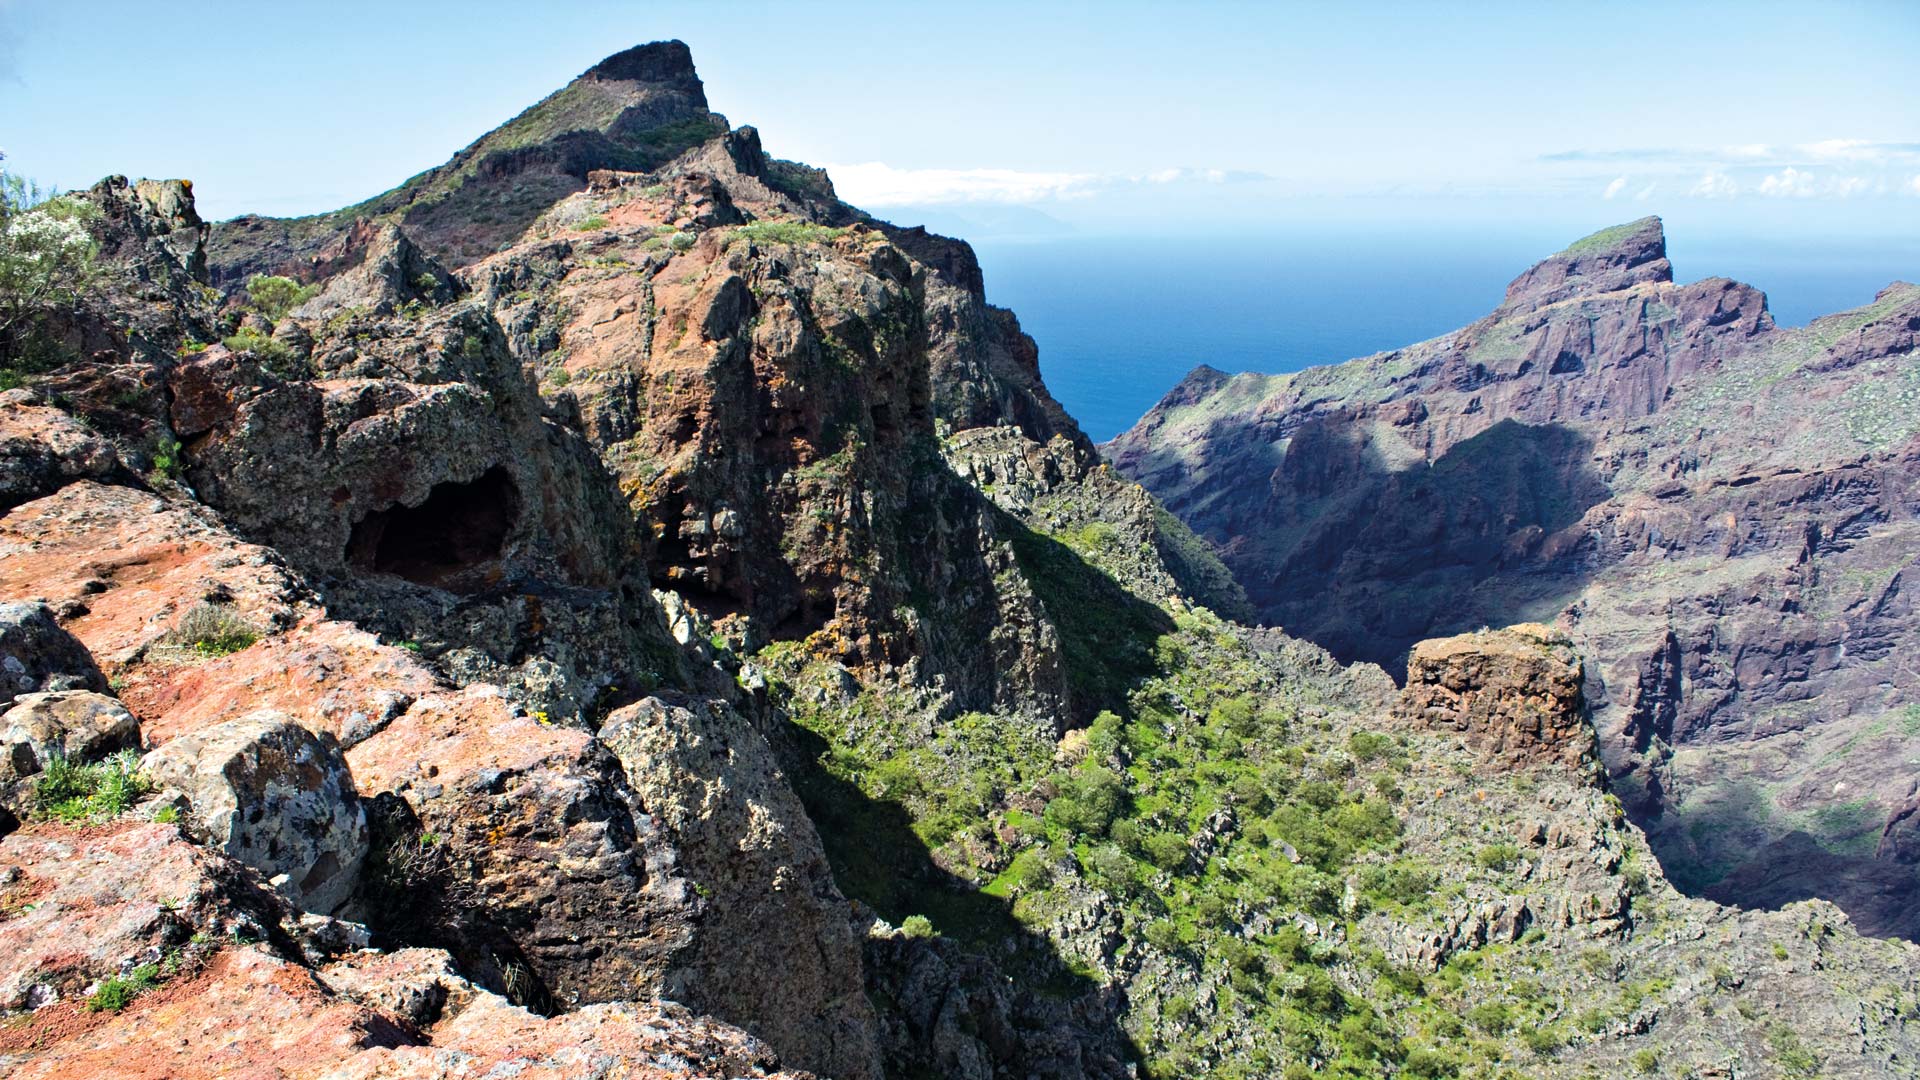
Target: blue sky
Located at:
point(1796, 119)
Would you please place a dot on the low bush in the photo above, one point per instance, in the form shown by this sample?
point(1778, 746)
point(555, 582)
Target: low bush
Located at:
point(116, 993)
point(213, 630)
point(71, 791)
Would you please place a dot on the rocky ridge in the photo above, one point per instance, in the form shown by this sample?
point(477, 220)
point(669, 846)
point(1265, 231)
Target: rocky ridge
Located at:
point(702, 601)
point(1720, 512)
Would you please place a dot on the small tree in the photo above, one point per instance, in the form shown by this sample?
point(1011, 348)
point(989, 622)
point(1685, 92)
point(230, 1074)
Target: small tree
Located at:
point(275, 296)
point(46, 253)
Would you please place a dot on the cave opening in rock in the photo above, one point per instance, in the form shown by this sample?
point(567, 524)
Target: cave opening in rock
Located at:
point(460, 528)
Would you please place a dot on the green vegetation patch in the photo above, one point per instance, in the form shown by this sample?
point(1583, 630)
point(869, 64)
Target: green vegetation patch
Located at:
point(69, 791)
point(788, 232)
point(213, 630)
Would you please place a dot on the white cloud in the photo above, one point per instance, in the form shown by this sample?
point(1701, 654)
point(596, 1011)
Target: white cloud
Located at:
point(1750, 150)
point(1914, 184)
point(1199, 176)
point(1715, 185)
point(1847, 187)
point(1849, 150)
point(1619, 185)
point(1644, 193)
point(874, 183)
point(1790, 182)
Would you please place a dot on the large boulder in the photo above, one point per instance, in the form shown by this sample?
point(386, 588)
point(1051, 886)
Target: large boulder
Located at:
point(36, 654)
point(710, 778)
point(1512, 694)
point(78, 725)
point(275, 796)
point(511, 838)
point(43, 449)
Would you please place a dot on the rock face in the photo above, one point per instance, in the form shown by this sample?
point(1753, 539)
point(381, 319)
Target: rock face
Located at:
point(276, 797)
point(1722, 514)
point(105, 902)
point(1512, 694)
point(37, 654)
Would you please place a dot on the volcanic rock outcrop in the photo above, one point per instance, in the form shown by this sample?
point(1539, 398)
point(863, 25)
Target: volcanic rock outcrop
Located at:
point(1512, 694)
point(1723, 514)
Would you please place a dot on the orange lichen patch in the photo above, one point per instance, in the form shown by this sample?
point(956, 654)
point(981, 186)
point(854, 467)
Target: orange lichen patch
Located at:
point(121, 566)
point(458, 735)
point(248, 1014)
point(99, 896)
point(328, 676)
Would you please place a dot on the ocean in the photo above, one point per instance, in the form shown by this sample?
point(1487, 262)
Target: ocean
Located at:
point(1119, 321)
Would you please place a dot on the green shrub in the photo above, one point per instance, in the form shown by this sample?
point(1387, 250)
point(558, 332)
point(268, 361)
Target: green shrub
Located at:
point(274, 296)
point(213, 630)
point(1112, 867)
point(917, 926)
point(166, 458)
point(787, 232)
point(114, 994)
point(1369, 745)
point(1498, 856)
point(1645, 1060)
point(1166, 850)
point(1162, 934)
point(74, 792)
point(1426, 1063)
point(1397, 883)
point(591, 223)
point(1493, 1017)
point(274, 354)
point(1088, 801)
point(1790, 1053)
point(1544, 1038)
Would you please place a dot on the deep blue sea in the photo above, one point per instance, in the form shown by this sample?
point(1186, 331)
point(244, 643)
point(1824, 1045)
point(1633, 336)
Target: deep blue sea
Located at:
point(1120, 321)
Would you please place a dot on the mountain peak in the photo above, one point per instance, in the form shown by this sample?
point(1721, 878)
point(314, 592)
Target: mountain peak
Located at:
point(668, 62)
point(1609, 260)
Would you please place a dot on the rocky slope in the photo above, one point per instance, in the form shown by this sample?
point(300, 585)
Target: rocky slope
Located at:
point(1723, 513)
point(689, 640)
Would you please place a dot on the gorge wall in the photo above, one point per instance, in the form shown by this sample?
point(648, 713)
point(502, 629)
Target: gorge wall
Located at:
point(1725, 515)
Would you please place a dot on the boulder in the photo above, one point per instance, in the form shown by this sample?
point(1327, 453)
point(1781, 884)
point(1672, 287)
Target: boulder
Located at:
point(43, 448)
point(710, 779)
point(36, 654)
point(1513, 694)
point(275, 796)
point(78, 725)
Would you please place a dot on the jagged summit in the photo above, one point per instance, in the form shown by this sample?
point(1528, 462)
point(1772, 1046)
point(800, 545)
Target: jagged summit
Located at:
point(635, 110)
point(1606, 261)
point(669, 62)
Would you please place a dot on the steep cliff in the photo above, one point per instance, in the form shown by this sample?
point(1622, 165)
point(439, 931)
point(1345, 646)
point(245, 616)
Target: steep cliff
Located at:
point(689, 640)
point(1724, 514)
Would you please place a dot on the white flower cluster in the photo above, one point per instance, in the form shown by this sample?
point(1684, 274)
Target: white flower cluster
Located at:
point(43, 237)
